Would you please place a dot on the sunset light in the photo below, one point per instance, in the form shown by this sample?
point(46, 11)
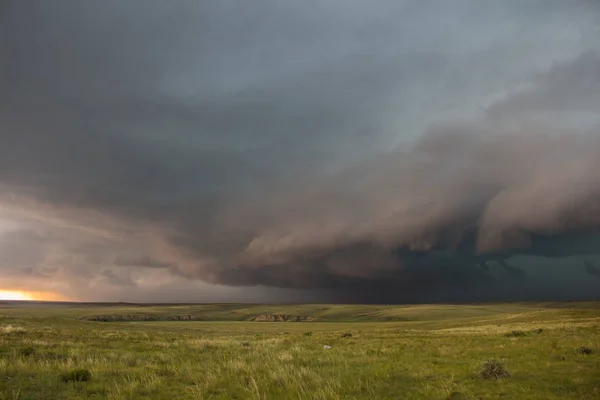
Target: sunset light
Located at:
point(28, 295)
point(14, 295)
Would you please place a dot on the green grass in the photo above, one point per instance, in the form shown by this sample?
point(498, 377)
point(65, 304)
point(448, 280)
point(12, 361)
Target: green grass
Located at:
point(377, 352)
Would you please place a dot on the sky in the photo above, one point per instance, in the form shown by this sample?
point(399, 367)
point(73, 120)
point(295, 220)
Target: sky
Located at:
point(300, 151)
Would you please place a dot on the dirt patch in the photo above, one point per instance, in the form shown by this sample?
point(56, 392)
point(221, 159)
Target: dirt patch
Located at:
point(280, 318)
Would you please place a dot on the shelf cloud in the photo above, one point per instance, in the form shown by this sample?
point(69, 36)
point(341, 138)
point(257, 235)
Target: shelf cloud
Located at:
point(316, 151)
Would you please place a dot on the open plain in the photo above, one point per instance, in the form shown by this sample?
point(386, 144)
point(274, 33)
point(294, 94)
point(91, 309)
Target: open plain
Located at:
point(228, 351)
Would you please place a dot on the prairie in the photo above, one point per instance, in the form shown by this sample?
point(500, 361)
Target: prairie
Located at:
point(216, 351)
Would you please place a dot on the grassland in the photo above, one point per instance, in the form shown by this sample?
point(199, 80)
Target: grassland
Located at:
point(377, 352)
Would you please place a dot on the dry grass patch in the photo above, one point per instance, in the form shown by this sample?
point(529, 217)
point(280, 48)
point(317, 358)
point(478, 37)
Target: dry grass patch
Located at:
point(11, 330)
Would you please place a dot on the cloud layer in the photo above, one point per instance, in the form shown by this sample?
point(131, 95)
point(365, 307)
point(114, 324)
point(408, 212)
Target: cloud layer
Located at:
point(326, 151)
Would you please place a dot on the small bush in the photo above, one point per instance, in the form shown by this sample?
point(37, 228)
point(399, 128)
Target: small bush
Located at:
point(347, 335)
point(307, 333)
point(76, 375)
point(132, 362)
point(55, 356)
point(584, 350)
point(27, 351)
point(515, 334)
point(493, 369)
point(456, 396)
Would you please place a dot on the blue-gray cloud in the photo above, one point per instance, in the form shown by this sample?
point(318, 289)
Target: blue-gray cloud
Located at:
point(333, 145)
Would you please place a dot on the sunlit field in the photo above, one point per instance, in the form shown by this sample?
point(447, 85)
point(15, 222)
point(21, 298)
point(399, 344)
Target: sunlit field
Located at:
point(543, 350)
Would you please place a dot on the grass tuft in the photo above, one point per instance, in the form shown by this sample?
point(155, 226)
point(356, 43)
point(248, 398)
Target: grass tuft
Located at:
point(76, 375)
point(456, 396)
point(584, 350)
point(515, 334)
point(27, 351)
point(493, 369)
point(11, 330)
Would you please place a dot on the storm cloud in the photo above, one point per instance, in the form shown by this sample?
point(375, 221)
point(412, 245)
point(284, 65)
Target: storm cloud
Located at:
point(322, 150)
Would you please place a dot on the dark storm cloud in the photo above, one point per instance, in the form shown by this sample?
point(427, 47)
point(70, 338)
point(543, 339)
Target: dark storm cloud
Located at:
point(112, 278)
point(592, 269)
point(143, 261)
point(249, 144)
point(21, 249)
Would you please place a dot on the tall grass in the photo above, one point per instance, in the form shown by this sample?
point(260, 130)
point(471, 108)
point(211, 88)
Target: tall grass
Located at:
point(426, 359)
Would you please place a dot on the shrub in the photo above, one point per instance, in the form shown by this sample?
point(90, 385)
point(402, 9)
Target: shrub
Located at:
point(55, 356)
point(27, 351)
point(584, 350)
point(493, 369)
point(515, 334)
point(456, 396)
point(76, 375)
point(347, 335)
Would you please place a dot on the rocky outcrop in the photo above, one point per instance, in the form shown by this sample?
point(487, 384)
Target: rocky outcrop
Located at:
point(114, 318)
point(280, 318)
point(180, 318)
point(150, 317)
point(138, 317)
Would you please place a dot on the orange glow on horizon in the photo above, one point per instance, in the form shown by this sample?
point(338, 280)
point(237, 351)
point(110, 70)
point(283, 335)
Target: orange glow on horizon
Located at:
point(14, 295)
point(26, 295)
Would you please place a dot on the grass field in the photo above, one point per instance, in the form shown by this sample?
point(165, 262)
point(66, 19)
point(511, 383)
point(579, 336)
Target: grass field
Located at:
point(49, 351)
